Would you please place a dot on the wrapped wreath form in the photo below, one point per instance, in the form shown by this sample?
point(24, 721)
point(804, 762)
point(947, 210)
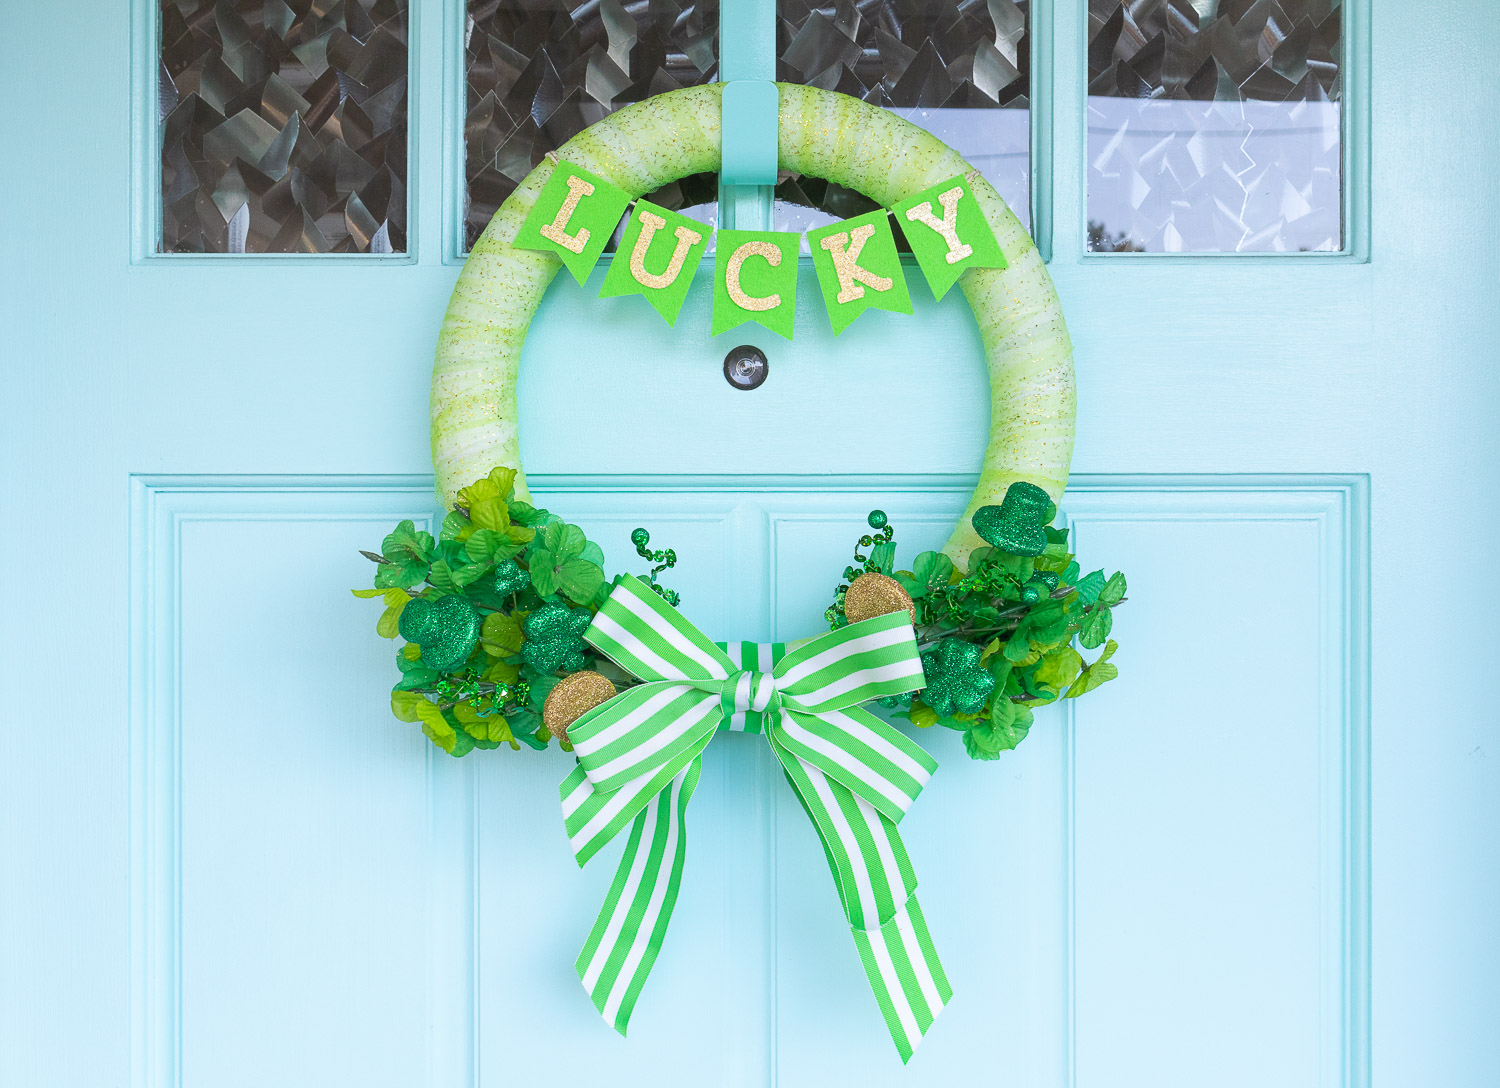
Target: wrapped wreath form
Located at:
point(822, 134)
point(512, 624)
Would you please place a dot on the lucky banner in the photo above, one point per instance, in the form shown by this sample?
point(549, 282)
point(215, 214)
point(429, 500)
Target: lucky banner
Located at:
point(857, 263)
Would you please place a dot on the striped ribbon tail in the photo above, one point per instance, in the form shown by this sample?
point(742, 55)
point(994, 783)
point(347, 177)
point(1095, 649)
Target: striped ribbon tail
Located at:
point(903, 968)
point(632, 924)
point(877, 887)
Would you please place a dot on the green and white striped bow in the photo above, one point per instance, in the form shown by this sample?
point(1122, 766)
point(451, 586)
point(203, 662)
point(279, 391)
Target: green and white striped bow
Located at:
point(639, 757)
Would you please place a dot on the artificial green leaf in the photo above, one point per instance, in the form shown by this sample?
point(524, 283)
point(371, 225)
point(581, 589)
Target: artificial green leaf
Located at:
point(564, 541)
point(469, 573)
point(395, 601)
point(1058, 668)
point(455, 527)
point(491, 514)
point(1096, 627)
point(1114, 590)
point(1101, 671)
point(407, 553)
point(501, 635)
point(921, 715)
point(544, 573)
point(488, 546)
point(593, 553)
point(1018, 649)
point(378, 591)
point(1048, 624)
point(984, 742)
point(442, 578)
point(437, 727)
point(929, 571)
point(497, 485)
point(884, 556)
point(405, 542)
point(535, 741)
point(404, 706)
point(579, 579)
point(523, 513)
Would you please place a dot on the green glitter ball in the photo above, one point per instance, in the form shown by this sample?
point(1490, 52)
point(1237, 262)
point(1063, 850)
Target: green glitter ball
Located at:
point(640, 538)
point(554, 638)
point(877, 519)
point(446, 629)
point(956, 682)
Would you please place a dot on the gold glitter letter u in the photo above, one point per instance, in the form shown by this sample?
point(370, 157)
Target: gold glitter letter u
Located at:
point(686, 240)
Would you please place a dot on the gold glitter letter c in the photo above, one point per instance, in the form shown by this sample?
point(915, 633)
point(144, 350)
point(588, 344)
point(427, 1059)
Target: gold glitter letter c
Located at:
point(557, 230)
point(737, 295)
point(687, 238)
point(845, 254)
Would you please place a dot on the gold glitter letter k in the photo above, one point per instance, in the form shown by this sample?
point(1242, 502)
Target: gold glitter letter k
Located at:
point(845, 254)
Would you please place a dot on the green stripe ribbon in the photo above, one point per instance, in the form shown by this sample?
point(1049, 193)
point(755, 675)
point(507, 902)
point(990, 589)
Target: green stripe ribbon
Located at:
point(640, 754)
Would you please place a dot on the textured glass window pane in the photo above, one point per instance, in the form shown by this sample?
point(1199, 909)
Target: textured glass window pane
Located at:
point(1214, 126)
point(960, 69)
point(283, 126)
point(541, 71)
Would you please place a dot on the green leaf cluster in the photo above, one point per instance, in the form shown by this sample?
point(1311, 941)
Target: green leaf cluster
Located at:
point(1032, 618)
point(507, 560)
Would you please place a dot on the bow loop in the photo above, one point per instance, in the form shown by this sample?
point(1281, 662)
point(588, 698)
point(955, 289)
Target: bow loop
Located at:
point(867, 660)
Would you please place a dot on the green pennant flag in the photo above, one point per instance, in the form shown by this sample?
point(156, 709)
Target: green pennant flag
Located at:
point(573, 217)
point(755, 279)
point(948, 233)
point(858, 267)
point(657, 258)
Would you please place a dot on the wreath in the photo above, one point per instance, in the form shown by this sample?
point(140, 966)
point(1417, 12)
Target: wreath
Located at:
point(514, 633)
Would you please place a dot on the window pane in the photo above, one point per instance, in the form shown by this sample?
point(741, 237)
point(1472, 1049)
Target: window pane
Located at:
point(1214, 126)
point(960, 69)
point(283, 126)
point(539, 73)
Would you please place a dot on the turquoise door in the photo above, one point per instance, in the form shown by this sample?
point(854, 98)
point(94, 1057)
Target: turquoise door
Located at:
point(1264, 856)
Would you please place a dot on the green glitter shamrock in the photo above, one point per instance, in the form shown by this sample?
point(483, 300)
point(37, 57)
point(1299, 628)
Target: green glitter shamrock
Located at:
point(554, 638)
point(1017, 524)
point(956, 682)
point(446, 629)
point(510, 578)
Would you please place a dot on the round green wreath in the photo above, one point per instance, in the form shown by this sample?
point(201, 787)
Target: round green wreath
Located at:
point(823, 134)
point(493, 611)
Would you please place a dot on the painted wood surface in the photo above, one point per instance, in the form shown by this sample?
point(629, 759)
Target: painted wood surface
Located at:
point(221, 863)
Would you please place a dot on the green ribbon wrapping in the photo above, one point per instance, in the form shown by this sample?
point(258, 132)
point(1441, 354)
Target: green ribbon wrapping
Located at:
point(640, 755)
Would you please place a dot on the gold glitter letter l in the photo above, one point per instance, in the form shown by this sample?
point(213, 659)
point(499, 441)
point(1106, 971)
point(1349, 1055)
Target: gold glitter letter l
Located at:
point(556, 231)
